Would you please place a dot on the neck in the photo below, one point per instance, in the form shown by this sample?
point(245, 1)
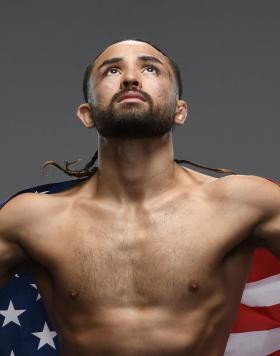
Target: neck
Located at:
point(135, 170)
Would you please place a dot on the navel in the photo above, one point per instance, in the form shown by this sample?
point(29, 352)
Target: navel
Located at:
point(193, 286)
point(73, 294)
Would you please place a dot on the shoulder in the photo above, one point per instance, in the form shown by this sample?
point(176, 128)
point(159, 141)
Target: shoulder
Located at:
point(250, 190)
point(24, 203)
point(238, 184)
point(24, 210)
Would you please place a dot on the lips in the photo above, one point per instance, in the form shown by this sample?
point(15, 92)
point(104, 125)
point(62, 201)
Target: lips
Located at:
point(132, 95)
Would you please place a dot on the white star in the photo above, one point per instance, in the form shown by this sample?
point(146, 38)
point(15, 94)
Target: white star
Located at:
point(12, 353)
point(38, 296)
point(11, 314)
point(46, 337)
point(16, 275)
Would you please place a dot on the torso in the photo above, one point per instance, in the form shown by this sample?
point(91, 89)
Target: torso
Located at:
point(162, 279)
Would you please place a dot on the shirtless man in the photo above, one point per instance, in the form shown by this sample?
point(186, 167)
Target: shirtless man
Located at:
point(150, 258)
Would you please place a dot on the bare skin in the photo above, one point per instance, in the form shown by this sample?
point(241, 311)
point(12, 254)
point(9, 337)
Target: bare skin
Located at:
point(145, 257)
point(162, 278)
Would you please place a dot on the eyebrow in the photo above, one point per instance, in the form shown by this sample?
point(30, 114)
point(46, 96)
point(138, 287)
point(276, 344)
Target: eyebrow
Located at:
point(116, 60)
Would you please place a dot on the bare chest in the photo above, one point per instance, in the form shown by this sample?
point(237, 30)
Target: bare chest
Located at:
point(172, 256)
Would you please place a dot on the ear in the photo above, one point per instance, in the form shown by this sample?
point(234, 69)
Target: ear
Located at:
point(181, 112)
point(84, 114)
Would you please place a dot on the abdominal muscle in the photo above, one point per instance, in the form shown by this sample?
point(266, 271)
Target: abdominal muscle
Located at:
point(146, 331)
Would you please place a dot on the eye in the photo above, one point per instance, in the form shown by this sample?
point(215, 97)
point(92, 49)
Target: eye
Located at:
point(111, 71)
point(151, 69)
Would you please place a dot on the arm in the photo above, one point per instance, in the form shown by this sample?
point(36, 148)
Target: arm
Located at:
point(267, 231)
point(12, 256)
point(257, 201)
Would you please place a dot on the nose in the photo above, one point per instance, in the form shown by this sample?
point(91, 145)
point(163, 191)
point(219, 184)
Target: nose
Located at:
point(130, 80)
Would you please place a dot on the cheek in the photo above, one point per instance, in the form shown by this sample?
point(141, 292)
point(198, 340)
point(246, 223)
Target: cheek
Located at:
point(110, 85)
point(161, 92)
point(160, 87)
point(104, 91)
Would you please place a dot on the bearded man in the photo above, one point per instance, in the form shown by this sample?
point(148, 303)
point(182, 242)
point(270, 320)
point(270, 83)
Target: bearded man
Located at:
point(143, 257)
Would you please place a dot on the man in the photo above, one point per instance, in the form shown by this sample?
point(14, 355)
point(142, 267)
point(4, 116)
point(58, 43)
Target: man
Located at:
point(151, 258)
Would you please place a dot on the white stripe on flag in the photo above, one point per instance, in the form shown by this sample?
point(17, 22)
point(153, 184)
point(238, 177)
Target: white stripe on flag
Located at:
point(256, 343)
point(262, 293)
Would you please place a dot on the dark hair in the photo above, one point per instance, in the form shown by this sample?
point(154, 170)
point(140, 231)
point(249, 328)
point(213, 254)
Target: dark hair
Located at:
point(174, 66)
point(89, 168)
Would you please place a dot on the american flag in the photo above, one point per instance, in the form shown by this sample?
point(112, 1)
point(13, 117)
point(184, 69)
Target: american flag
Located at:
point(25, 329)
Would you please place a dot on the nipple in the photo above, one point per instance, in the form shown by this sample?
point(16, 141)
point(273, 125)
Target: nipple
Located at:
point(193, 286)
point(73, 294)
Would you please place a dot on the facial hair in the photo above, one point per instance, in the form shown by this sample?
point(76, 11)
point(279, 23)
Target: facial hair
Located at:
point(134, 120)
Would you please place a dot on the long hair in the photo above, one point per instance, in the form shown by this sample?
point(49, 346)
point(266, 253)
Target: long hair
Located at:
point(90, 169)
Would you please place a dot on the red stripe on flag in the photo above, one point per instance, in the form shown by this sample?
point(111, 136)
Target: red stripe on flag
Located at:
point(276, 353)
point(256, 318)
point(264, 265)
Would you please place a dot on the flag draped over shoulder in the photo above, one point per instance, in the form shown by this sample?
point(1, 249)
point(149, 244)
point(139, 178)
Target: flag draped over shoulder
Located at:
point(256, 330)
point(25, 329)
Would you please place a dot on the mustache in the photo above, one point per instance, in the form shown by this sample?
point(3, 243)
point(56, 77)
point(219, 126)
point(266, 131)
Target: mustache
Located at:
point(117, 96)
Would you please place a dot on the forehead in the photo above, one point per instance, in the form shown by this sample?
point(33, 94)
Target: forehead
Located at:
point(130, 49)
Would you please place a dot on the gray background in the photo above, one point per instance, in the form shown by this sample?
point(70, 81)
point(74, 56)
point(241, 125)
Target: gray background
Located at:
point(228, 52)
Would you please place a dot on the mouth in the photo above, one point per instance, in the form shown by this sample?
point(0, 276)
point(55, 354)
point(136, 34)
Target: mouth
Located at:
point(131, 97)
point(130, 100)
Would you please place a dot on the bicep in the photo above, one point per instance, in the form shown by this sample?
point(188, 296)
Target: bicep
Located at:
point(12, 256)
point(267, 231)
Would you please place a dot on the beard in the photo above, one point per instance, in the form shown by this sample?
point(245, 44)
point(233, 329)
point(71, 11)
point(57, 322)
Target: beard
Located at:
point(134, 120)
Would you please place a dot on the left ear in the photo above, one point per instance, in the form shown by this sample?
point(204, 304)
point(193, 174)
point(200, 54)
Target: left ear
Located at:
point(181, 112)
